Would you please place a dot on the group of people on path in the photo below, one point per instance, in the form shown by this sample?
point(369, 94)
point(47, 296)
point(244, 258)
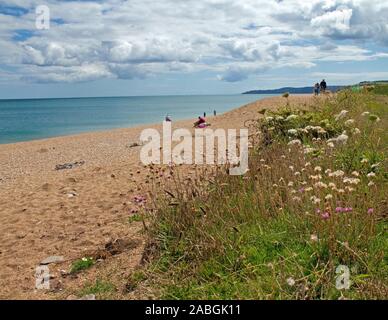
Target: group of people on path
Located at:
point(320, 87)
point(200, 123)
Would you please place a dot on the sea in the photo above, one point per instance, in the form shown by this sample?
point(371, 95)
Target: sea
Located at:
point(32, 119)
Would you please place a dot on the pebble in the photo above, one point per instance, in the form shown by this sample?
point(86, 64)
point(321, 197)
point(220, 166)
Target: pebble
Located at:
point(52, 259)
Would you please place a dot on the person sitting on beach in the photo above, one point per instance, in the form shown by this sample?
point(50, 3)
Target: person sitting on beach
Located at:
point(316, 89)
point(200, 123)
point(323, 86)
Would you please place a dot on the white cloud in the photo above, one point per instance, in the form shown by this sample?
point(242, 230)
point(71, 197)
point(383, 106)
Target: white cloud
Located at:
point(234, 39)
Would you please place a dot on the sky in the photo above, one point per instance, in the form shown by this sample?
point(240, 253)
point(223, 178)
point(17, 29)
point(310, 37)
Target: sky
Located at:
point(168, 47)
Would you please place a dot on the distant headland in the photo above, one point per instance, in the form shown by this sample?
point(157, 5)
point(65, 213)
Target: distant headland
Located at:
point(301, 90)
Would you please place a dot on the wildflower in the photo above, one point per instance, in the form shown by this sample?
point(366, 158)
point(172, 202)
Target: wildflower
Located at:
point(337, 174)
point(292, 117)
point(303, 183)
point(350, 189)
point(349, 122)
point(356, 131)
point(275, 185)
point(325, 215)
point(370, 211)
point(297, 173)
point(297, 199)
point(262, 160)
point(320, 184)
point(316, 177)
point(281, 180)
point(307, 164)
point(268, 119)
point(340, 190)
point(348, 209)
point(330, 144)
point(290, 184)
point(366, 113)
point(290, 282)
point(315, 200)
point(308, 150)
point(371, 184)
point(371, 175)
point(139, 199)
point(355, 173)
point(329, 197)
point(291, 168)
point(301, 190)
point(317, 169)
point(295, 142)
point(279, 118)
point(332, 185)
point(364, 160)
point(293, 191)
point(343, 138)
point(354, 181)
point(283, 156)
point(341, 115)
point(375, 165)
point(292, 132)
point(314, 238)
point(327, 171)
point(303, 130)
point(338, 209)
point(308, 189)
point(266, 167)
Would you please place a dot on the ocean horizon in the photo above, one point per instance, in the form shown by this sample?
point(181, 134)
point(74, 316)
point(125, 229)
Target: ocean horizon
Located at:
point(33, 119)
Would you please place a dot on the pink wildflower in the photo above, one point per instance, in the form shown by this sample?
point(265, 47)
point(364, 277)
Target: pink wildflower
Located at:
point(325, 215)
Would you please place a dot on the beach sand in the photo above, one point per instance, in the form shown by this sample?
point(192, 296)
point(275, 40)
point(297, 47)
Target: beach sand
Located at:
point(46, 212)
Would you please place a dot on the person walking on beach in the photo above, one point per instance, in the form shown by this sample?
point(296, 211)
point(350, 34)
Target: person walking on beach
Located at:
point(316, 89)
point(323, 86)
point(214, 112)
point(204, 114)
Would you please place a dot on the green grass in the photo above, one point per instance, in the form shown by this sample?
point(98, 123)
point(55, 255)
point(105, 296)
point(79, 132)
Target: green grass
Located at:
point(262, 236)
point(82, 264)
point(381, 89)
point(135, 218)
point(100, 288)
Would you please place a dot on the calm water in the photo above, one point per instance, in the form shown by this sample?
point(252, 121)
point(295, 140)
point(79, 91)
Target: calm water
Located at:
point(23, 120)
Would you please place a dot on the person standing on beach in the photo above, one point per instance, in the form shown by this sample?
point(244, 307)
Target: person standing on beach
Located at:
point(316, 89)
point(214, 112)
point(323, 86)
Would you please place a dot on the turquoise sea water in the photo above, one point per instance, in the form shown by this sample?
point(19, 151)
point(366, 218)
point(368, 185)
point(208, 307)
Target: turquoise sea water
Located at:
point(24, 120)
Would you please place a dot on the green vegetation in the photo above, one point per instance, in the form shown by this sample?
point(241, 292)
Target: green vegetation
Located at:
point(102, 289)
point(81, 264)
point(135, 218)
point(313, 199)
point(381, 89)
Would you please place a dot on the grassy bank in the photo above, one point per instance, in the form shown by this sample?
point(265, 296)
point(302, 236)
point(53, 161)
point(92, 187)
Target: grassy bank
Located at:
point(313, 199)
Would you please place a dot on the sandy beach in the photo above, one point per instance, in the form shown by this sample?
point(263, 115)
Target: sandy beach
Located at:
point(46, 212)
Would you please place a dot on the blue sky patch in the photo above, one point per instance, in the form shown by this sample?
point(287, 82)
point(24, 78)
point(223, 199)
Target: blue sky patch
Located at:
point(13, 10)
